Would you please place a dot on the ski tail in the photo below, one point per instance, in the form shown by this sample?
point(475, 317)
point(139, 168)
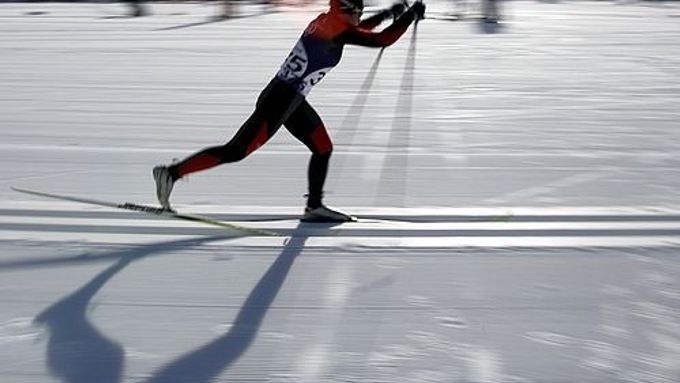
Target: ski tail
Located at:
point(68, 198)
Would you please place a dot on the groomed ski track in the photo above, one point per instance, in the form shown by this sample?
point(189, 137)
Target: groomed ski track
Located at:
point(519, 187)
point(377, 228)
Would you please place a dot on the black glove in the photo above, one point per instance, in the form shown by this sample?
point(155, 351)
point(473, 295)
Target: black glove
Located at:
point(397, 9)
point(418, 8)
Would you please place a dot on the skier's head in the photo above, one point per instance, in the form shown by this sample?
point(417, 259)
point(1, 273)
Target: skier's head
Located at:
point(350, 7)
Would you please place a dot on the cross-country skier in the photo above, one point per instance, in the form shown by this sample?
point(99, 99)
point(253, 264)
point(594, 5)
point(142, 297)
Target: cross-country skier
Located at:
point(283, 102)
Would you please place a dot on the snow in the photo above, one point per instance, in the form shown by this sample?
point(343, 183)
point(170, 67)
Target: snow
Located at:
point(519, 188)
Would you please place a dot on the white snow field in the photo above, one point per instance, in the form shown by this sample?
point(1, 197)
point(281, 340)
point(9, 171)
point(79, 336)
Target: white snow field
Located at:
point(519, 187)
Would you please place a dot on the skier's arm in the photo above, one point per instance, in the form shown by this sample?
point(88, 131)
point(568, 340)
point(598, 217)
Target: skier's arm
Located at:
point(396, 10)
point(386, 37)
point(375, 20)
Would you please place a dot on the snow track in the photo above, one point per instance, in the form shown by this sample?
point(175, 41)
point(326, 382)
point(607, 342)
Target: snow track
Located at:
point(519, 187)
point(378, 227)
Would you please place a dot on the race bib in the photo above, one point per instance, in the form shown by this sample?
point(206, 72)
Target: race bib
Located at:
point(296, 63)
point(312, 79)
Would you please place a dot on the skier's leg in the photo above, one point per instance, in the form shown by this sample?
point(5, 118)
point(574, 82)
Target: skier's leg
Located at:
point(252, 134)
point(274, 106)
point(306, 125)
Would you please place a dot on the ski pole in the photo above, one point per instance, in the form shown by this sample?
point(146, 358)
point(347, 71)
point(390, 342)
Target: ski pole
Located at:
point(392, 187)
point(350, 124)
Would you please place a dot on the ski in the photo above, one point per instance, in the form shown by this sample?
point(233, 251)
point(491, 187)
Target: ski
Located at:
point(148, 209)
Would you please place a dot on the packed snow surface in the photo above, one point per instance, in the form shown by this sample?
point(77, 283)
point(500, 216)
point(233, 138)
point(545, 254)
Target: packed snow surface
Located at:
point(517, 185)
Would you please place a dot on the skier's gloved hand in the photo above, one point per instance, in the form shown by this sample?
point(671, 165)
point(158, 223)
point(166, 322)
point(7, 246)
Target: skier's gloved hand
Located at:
point(418, 8)
point(397, 9)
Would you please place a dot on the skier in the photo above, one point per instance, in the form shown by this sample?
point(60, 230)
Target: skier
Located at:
point(282, 102)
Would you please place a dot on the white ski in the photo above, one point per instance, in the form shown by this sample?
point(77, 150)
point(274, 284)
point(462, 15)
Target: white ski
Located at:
point(148, 209)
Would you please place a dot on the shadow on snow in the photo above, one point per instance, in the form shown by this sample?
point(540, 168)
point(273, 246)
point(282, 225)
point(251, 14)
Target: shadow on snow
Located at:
point(77, 352)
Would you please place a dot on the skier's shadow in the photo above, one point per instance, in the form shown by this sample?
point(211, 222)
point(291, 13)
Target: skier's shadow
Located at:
point(77, 352)
point(205, 363)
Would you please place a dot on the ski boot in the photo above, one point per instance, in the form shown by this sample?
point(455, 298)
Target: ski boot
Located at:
point(324, 214)
point(164, 184)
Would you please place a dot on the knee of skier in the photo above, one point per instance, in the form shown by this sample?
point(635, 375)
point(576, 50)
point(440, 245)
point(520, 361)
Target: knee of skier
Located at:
point(326, 150)
point(322, 143)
